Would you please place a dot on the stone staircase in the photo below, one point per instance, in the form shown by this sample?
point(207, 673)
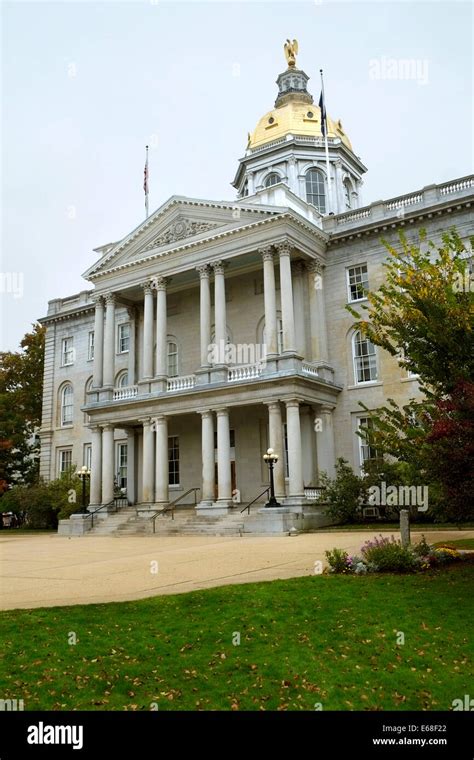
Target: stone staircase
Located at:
point(186, 522)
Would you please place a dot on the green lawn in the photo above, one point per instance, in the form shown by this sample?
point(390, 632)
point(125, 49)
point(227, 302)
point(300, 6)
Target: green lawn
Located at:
point(317, 639)
point(458, 543)
point(395, 526)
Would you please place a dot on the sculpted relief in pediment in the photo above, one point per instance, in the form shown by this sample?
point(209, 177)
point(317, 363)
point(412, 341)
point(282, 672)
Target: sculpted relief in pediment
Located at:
point(179, 230)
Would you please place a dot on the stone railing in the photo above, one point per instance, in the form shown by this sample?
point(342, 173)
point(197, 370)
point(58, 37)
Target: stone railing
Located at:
point(181, 383)
point(314, 493)
point(309, 369)
point(130, 391)
point(398, 207)
point(244, 372)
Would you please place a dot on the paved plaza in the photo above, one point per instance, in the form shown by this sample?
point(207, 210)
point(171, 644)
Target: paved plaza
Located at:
point(44, 570)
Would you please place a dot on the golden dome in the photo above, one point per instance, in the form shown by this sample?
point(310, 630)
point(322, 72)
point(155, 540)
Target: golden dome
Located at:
point(295, 118)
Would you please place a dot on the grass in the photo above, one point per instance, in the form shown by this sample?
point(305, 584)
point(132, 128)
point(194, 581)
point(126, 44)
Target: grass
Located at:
point(458, 543)
point(395, 526)
point(329, 640)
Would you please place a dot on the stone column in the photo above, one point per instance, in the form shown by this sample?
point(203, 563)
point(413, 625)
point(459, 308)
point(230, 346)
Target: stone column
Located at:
point(275, 441)
point(96, 467)
point(220, 318)
point(325, 440)
point(148, 457)
point(161, 466)
point(147, 332)
point(295, 465)
point(208, 463)
point(298, 300)
point(286, 295)
point(224, 482)
point(131, 489)
point(271, 335)
point(132, 346)
point(205, 314)
point(317, 315)
point(339, 202)
point(292, 176)
point(161, 329)
point(108, 463)
point(98, 343)
point(109, 341)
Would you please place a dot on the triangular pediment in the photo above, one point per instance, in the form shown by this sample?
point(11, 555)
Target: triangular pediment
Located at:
point(179, 221)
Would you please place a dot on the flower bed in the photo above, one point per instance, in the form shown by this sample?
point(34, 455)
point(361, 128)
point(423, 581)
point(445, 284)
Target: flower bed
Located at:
point(387, 555)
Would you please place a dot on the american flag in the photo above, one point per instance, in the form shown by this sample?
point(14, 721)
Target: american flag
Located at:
point(145, 176)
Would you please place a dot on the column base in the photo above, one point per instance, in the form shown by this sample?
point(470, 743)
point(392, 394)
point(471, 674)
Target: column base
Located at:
point(203, 375)
point(290, 361)
point(144, 385)
point(295, 501)
point(271, 365)
point(159, 384)
point(219, 373)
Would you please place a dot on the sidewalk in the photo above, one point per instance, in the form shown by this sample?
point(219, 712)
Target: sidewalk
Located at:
point(48, 570)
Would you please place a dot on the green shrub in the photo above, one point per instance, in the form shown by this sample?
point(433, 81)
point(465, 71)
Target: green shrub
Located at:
point(345, 494)
point(45, 503)
point(338, 561)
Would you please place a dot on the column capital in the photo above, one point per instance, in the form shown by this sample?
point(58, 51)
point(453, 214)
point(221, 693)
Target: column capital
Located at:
point(144, 420)
point(205, 415)
point(94, 428)
point(266, 252)
point(146, 287)
point(283, 247)
point(98, 300)
point(218, 266)
point(159, 283)
point(314, 267)
point(204, 271)
point(159, 419)
point(132, 312)
point(273, 405)
point(292, 403)
point(326, 408)
point(107, 426)
point(110, 299)
point(222, 411)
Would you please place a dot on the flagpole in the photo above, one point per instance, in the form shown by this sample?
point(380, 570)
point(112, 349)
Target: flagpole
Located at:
point(330, 206)
point(145, 184)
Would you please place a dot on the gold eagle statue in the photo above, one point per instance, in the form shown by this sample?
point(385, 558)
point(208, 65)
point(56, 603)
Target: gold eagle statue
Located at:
point(291, 51)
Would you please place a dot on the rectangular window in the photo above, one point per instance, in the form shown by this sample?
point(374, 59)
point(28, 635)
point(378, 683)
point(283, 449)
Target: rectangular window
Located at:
point(90, 346)
point(121, 466)
point(173, 460)
point(365, 359)
point(64, 461)
point(357, 282)
point(365, 452)
point(67, 352)
point(87, 455)
point(172, 359)
point(123, 338)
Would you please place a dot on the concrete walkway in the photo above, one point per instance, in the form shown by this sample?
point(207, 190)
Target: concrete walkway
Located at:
point(45, 570)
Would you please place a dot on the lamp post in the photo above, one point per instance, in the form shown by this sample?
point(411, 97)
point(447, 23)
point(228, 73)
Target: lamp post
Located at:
point(83, 474)
point(271, 459)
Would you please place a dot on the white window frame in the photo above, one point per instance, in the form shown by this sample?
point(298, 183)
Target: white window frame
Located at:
point(67, 352)
point(270, 175)
point(319, 195)
point(169, 355)
point(66, 422)
point(121, 463)
point(122, 379)
point(364, 449)
point(90, 346)
point(172, 469)
point(87, 456)
point(61, 452)
point(364, 283)
point(372, 363)
point(123, 339)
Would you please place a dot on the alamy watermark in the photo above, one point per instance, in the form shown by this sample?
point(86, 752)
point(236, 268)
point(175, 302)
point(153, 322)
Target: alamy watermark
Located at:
point(223, 352)
point(399, 496)
point(401, 69)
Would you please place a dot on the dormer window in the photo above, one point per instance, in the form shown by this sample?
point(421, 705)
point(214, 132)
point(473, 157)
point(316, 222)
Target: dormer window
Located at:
point(272, 179)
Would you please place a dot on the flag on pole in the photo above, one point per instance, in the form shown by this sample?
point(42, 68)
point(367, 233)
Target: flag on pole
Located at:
point(322, 106)
point(145, 181)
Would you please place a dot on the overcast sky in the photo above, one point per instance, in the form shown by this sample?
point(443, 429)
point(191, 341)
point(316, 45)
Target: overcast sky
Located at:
point(87, 85)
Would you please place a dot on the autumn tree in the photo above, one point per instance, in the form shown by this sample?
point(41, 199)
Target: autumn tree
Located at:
point(21, 394)
point(423, 314)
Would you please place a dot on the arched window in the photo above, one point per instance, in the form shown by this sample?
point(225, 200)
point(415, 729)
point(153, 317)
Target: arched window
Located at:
point(315, 190)
point(67, 405)
point(365, 358)
point(172, 359)
point(122, 380)
point(279, 336)
point(347, 194)
point(272, 179)
point(245, 189)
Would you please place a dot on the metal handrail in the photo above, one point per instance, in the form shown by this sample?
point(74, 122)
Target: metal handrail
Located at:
point(171, 506)
point(253, 502)
point(105, 506)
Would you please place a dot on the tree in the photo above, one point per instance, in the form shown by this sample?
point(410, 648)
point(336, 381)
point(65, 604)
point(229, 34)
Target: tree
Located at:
point(21, 395)
point(424, 314)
